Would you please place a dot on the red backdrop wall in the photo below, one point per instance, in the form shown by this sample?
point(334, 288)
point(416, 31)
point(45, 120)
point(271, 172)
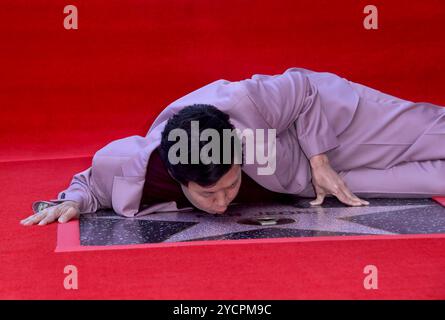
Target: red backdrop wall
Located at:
point(69, 92)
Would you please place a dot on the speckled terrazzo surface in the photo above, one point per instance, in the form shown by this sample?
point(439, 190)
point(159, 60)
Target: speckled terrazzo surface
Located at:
point(273, 220)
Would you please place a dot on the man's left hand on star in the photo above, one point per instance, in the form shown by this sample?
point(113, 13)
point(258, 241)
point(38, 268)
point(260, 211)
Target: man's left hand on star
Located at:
point(326, 181)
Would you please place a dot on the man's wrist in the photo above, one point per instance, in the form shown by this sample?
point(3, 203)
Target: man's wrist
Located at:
point(319, 160)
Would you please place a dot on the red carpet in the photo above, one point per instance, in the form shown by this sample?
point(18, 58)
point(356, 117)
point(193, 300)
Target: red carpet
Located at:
point(64, 94)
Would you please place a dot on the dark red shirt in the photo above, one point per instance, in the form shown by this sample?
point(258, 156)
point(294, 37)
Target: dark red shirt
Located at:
point(161, 187)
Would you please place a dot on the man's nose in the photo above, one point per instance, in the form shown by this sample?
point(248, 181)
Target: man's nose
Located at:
point(221, 199)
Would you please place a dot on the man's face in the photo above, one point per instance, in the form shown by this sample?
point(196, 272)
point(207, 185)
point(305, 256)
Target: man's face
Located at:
point(216, 198)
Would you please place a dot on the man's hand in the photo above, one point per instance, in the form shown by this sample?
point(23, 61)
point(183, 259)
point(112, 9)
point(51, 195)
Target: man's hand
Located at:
point(63, 212)
point(327, 181)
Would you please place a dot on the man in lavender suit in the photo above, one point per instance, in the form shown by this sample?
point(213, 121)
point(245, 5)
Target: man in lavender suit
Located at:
point(333, 137)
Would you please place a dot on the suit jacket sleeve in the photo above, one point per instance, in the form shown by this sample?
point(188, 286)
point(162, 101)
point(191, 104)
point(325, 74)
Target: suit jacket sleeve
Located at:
point(92, 188)
point(81, 191)
point(291, 99)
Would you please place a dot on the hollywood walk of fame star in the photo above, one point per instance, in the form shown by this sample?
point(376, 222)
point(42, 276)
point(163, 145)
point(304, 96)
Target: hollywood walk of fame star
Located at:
point(330, 219)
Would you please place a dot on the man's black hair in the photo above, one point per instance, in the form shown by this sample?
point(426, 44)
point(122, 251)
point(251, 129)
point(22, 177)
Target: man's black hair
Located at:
point(209, 117)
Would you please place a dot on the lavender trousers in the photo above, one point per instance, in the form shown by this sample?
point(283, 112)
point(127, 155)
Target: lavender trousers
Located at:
point(393, 148)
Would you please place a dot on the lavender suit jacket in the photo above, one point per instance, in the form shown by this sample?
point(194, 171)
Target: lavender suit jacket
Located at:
point(308, 110)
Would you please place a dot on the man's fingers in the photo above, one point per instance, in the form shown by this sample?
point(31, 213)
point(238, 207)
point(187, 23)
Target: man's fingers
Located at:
point(348, 197)
point(35, 218)
point(50, 217)
point(364, 202)
point(68, 215)
point(339, 190)
point(29, 218)
point(318, 201)
point(342, 195)
point(62, 212)
point(354, 197)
